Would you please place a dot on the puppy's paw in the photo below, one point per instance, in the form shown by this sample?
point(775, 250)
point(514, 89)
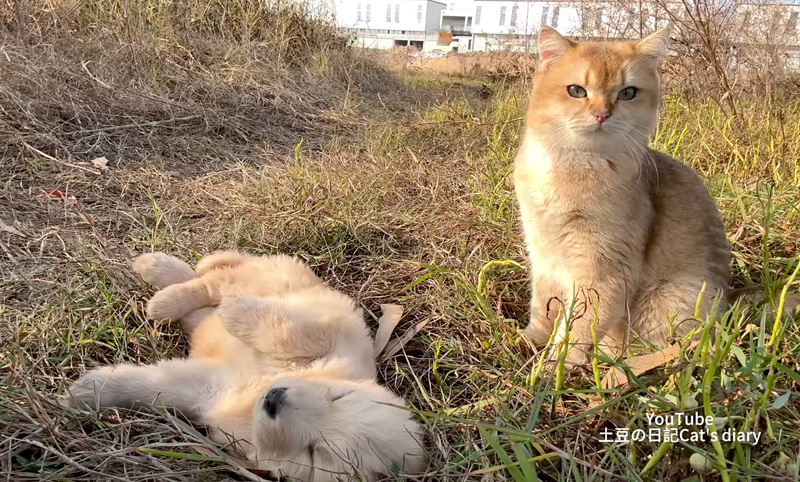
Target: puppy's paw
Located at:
point(233, 310)
point(164, 306)
point(161, 270)
point(240, 315)
point(85, 391)
point(176, 301)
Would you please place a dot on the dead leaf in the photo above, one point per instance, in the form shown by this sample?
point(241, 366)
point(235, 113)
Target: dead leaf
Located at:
point(390, 317)
point(86, 219)
point(203, 450)
point(101, 162)
point(594, 400)
point(10, 229)
point(395, 345)
point(61, 194)
point(615, 378)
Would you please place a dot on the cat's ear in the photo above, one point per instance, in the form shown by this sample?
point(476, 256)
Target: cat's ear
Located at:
point(655, 45)
point(552, 45)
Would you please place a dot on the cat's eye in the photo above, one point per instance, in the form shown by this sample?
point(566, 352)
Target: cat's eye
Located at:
point(627, 93)
point(576, 91)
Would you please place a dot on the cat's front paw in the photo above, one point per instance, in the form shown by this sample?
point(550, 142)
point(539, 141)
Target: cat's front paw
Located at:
point(578, 357)
point(537, 335)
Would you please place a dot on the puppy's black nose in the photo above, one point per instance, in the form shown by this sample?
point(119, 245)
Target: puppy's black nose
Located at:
point(274, 400)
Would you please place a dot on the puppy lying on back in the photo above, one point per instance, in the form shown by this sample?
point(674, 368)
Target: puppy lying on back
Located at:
point(278, 361)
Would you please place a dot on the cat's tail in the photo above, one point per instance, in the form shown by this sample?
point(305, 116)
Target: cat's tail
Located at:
point(161, 270)
point(754, 294)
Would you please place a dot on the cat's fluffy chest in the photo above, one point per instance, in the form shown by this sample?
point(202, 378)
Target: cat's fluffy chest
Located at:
point(576, 207)
point(563, 185)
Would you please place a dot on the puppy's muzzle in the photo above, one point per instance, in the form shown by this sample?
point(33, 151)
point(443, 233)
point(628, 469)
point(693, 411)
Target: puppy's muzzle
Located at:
point(274, 401)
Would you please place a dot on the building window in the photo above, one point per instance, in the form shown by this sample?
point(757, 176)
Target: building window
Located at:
point(791, 27)
point(513, 21)
point(598, 20)
point(478, 16)
point(545, 11)
point(389, 13)
point(419, 13)
point(502, 15)
point(397, 13)
point(553, 23)
point(369, 12)
point(358, 13)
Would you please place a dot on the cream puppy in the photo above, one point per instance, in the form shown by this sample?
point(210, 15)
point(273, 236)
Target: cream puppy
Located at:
point(279, 363)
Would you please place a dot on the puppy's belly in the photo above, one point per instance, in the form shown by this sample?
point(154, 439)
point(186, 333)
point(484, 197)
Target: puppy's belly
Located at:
point(211, 340)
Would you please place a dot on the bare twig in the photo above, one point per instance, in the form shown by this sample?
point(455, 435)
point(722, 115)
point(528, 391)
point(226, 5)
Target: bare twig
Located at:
point(68, 164)
point(141, 125)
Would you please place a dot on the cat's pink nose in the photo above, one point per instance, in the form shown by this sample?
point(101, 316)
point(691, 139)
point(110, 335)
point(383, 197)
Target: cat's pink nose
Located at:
point(602, 115)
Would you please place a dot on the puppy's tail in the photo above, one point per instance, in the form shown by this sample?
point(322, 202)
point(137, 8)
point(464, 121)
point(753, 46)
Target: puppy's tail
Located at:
point(220, 259)
point(161, 270)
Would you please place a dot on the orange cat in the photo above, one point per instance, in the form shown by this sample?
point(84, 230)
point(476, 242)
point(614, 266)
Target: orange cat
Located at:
point(625, 231)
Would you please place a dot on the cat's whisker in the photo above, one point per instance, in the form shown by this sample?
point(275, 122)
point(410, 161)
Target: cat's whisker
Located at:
point(630, 147)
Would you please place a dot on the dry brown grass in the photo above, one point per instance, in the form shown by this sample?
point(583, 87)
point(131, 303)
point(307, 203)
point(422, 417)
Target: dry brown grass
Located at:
point(472, 65)
point(206, 81)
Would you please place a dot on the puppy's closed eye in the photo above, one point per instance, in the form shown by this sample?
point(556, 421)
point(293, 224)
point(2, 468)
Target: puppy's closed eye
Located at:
point(341, 396)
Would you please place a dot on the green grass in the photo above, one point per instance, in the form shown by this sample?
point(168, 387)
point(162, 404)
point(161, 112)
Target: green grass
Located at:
point(421, 212)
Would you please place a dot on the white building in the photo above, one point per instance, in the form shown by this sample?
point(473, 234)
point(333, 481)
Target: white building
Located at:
point(458, 22)
point(465, 25)
point(512, 25)
point(484, 25)
point(386, 24)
